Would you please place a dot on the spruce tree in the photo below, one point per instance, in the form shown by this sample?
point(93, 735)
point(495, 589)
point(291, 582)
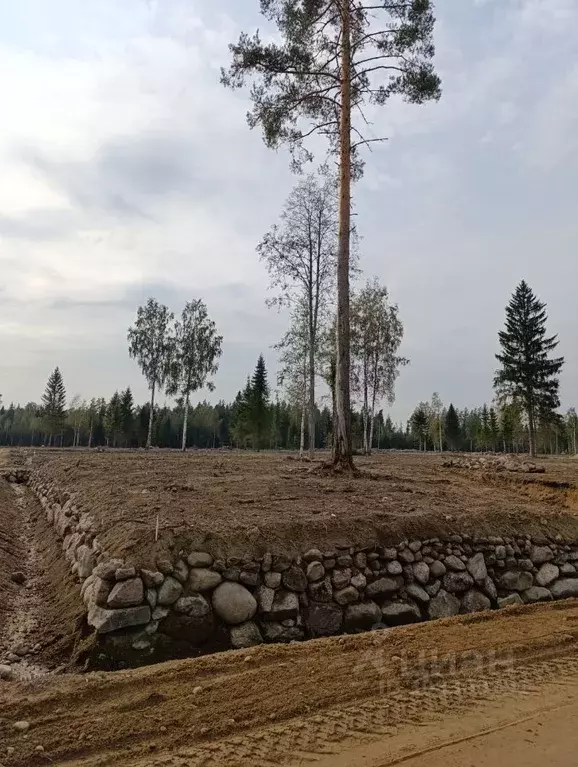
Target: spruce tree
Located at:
point(453, 431)
point(54, 405)
point(527, 374)
point(126, 414)
point(420, 424)
point(259, 411)
point(113, 419)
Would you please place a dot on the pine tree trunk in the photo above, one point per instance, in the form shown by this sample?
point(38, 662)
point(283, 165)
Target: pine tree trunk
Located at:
point(311, 390)
point(302, 431)
point(343, 457)
point(150, 431)
point(185, 420)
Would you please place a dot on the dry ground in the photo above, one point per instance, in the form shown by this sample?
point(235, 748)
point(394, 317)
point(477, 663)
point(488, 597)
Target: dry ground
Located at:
point(236, 503)
point(493, 688)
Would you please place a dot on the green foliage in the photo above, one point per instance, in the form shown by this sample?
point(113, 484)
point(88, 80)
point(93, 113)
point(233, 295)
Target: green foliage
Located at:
point(452, 429)
point(113, 420)
point(527, 373)
point(126, 415)
point(420, 424)
point(54, 404)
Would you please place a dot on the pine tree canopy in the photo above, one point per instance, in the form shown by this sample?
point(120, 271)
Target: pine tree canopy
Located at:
point(527, 373)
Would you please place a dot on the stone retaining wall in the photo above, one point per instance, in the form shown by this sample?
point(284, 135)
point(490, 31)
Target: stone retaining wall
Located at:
point(197, 603)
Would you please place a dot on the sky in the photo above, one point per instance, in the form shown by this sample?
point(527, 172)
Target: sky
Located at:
point(128, 171)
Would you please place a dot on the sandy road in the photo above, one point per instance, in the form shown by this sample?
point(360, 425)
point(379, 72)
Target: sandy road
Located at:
point(446, 690)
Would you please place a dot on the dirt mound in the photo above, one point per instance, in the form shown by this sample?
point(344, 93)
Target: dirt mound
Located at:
point(288, 704)
point(241, 503)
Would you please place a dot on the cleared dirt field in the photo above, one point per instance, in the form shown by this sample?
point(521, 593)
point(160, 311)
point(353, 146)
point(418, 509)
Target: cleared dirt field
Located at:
point(235, 503)
point(493, 688)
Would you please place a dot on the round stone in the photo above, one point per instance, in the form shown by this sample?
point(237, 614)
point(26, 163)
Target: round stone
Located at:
point(233, 603)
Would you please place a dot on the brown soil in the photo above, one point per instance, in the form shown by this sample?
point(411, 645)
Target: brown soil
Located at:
point(46, 610)
point(355, 700)
point(237, 503)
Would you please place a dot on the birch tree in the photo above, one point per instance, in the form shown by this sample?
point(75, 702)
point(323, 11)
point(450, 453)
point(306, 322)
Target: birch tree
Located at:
point(150, 343)
point(300, 255)
point(376, 335)
point(197, 347)
point(294, 371)
point(331, 59)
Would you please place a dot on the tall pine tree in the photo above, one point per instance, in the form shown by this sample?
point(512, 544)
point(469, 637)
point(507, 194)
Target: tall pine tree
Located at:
point(54, 405)
point(127, 415)
point(527, 374)
point(453, 431)
point(259, 410)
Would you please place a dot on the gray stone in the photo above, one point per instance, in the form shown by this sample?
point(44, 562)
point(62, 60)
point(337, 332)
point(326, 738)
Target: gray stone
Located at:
point(399, 613)
point(437, 569)
point(344, 560)
point(313, 555)
point(267, 562)
point(541, 554)
point(159, 613)
point(233, 603)
point(384, 586)
point(346, 596)
point(249, 578)
point(124, 573)
point(294, 578)
point(199, 559)
point(152, 578)
point(86, 559)
point(388, 554)
point(394, 567)
point(568, 570)
point(6, 673)
point(536, 594)
point(169, 591)
point(421, 572)
point(245, 635)
point(265, 597)
point(165, 566)
point(202, 579)
point(341, 578)
point(511, 599)
point(489, 588)
point(516, 581)
point(126, 593)
point(414, 546)
point(454, 563)
point(105, 621)
point(18, 577)
point(281, 562)
point(101, 590)
point(457, 582)
point(272, 580)
point(360, 560)
point(181, 571)
point(418, 593)
point(433, 588)
point(232, 573)
point(473, 601)
point(321, 591)
point(285, 605)
point(359, 581)
point(500, 552)
point(191, 604)
point(547, 574)
point(323, 619)
point(151, 597)
point(277, 632)
point(365, 615)
point(477, 567)
point(406, 556)
point(565, 588)
point(315, 571)
point(443, 605)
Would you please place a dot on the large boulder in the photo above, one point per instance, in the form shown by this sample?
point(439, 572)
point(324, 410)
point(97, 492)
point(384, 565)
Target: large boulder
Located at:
point(513, 580)
point(86, 559)
point(473, 601)
point(169, 591)
point(399, 613)
point(536, 594)
point(418, 593)
point(323, 619)
point(476, 567)
point(265, 598)
point(565, 588)
point(203, 579)
point(457, 582)
point(199, 559)
point(444, 605)
point(437, 569)
point(315, 571)
point(541, 554)
point(363, 616)
point(421, 572)
point(245, 635)
point(346, 596)
point(126, 593)
point(547, 574)
point(511, 599)
point(384, 586)
point(234, 603)
point(113, 620)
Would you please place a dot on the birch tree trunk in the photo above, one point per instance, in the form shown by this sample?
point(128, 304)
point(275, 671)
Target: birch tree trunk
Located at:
point(150, 431)
point(185, 421)
point(311, 383)
point(343, 448)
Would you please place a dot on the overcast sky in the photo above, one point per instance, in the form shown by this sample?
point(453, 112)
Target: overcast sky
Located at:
point(127, 170)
